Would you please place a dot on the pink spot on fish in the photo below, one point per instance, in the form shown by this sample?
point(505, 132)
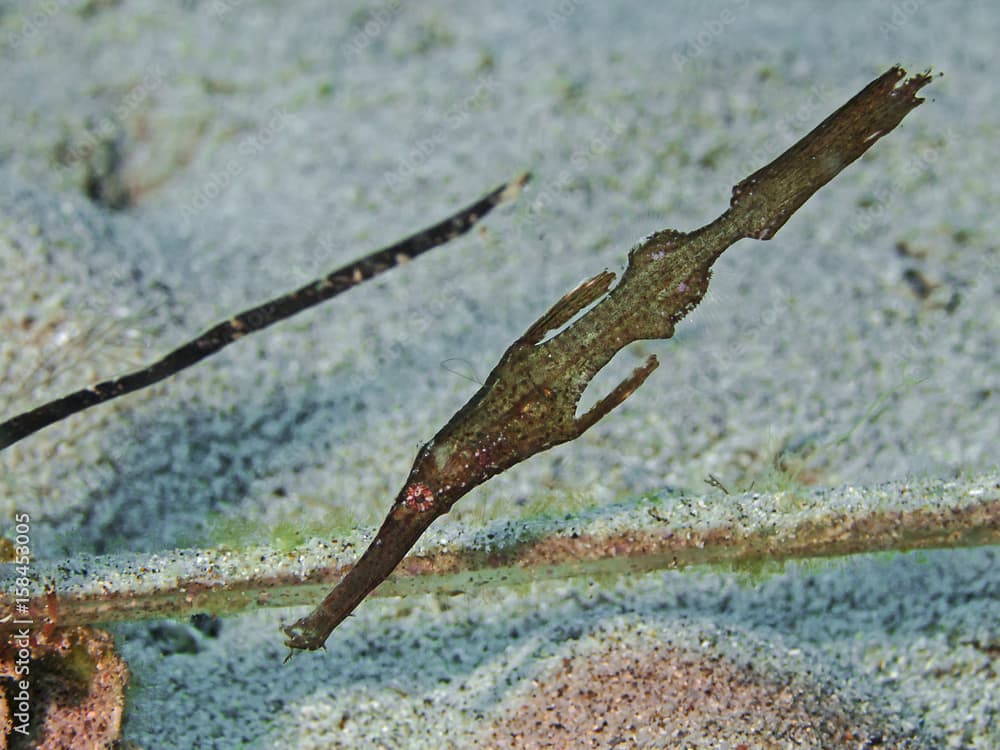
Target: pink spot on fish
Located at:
point(419, 497)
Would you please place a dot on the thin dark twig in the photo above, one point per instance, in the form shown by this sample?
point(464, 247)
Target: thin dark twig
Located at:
point(254, 319)
point(713, 481)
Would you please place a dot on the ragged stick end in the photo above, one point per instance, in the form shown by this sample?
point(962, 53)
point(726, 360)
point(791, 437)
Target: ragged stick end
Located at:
point(764, 201)
point(907, 89)
point(513, 189)
point(304, 635)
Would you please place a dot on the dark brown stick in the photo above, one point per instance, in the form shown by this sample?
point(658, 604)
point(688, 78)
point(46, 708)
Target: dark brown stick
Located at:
point(529, 402)
point(279, 308)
